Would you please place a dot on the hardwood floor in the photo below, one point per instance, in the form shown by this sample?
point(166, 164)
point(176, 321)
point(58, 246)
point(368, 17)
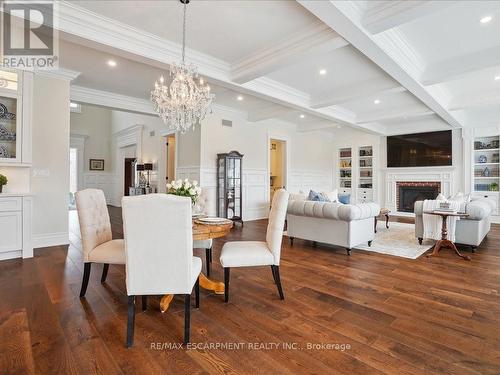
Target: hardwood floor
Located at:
point(391, 315)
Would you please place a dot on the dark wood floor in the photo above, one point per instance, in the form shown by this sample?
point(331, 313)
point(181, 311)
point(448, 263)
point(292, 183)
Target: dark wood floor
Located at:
point(393, 315)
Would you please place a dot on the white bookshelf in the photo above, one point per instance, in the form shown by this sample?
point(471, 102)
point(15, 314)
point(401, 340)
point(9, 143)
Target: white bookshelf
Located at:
point(486, 164)
point(345, 170)
point(365, 174)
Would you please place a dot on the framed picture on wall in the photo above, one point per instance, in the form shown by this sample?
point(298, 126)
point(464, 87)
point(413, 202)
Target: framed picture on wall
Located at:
point(96, 165)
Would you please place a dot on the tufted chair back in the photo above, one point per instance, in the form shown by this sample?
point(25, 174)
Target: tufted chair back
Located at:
point(95, 226)
point(276, 223)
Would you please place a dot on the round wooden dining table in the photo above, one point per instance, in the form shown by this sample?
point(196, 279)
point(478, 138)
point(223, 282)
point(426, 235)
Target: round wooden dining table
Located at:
point(203, 231)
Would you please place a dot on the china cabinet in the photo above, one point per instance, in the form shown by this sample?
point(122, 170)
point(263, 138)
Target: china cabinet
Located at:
point(229, 186)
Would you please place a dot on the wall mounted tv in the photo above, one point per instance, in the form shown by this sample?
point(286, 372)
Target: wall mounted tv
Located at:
point(419, 150)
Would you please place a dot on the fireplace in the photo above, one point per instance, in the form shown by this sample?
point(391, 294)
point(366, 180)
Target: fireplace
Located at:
point(407, 193)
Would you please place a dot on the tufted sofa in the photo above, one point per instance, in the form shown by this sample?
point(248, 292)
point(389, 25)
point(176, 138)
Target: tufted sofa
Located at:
point(346, 225)
point(470, 231)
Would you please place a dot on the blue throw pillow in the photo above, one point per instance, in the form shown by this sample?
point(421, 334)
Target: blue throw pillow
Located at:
point(345, 198)
point(315, 196)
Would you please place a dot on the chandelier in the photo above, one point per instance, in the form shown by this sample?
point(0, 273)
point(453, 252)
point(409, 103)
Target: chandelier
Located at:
point(186, 101)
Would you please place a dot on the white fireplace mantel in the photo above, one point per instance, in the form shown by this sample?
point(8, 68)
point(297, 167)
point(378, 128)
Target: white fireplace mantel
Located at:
point(444, 175)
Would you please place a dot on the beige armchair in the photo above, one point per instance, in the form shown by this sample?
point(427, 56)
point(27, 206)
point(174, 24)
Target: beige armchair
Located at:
point(95, 228)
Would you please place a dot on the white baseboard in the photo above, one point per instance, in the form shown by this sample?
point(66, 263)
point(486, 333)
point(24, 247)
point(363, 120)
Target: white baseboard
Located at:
point(11, 255)
point(50, 239)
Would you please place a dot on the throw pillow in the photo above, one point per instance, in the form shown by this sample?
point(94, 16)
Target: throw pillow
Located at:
point(440, 197)
point(317, 197)
point(333, 196)
point(345, 198)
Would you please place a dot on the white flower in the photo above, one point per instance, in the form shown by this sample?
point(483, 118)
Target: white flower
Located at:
point(186, 181)
point(198, 190)
point(169, 186)
point(187, 185)
point(195, 183)
point(192, 192)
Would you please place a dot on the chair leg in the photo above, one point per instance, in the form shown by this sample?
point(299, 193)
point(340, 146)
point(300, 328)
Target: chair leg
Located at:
point(274, 274)
point(85, 281)
point(130, 321)
point(144, 303)
point(187, 317)
point(104, 272)
point(208, 260)
point(369, 243)
point(420, 239)
point(226, 284)
point(291, 240)
point(278, 281)
point(197, 292)
point(348, 251)
point(210, 255)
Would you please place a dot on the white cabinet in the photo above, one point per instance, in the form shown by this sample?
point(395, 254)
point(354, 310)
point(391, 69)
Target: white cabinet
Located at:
point(15, 226)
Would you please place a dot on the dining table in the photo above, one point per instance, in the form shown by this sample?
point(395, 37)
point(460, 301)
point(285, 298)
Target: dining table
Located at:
point(204, 231)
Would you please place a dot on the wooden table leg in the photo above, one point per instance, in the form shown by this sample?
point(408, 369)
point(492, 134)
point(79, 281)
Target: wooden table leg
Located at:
point(216, 286)
point(375, 228)
point(387, 221)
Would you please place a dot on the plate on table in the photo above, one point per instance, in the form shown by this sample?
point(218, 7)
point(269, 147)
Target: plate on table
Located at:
point(213, 220)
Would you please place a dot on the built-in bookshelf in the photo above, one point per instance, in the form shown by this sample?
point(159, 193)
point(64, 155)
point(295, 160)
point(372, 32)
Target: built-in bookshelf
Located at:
point(345, 168)
point(486, 163)
point(365, 170)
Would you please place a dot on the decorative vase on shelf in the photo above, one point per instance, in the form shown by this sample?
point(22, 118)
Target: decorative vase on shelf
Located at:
point(486, 172)
point(482, 159)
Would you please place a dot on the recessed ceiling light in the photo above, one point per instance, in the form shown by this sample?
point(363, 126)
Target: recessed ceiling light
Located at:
point(486, 19)
point(240, 98)
point(376, 101)
point(112, 63)
point(322, 72)
point(497, 78)
point(302, 116)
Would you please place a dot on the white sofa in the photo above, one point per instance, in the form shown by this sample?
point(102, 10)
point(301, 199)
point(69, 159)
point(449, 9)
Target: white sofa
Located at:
point(346, 225)
point(470, 231)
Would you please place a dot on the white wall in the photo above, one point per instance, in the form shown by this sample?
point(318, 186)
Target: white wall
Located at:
point(94, 123)
point(51, 124)
point(310, 158)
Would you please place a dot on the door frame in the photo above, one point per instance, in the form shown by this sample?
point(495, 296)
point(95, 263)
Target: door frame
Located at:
point(78, 141)
point(162, 162)
point(286, 164)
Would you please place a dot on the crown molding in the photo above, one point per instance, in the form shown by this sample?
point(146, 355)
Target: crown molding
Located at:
point(64, 74)
point(111, 100)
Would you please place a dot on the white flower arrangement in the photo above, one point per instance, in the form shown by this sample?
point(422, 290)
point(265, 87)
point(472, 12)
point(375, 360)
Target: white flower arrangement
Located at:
point(184, 188)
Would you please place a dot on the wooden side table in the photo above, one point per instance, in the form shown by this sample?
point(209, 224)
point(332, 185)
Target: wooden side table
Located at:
point(444, 241)
point(385, 212)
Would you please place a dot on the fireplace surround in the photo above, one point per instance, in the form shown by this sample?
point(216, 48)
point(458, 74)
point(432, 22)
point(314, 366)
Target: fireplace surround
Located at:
point(408, 192)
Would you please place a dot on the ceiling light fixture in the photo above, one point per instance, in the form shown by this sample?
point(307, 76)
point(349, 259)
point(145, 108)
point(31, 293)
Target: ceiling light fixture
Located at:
point(184, 102)
point(376, 101)
point(302, 116)
point(112, 63)
point(486, 19)
point(322, 72)
point(240, 98)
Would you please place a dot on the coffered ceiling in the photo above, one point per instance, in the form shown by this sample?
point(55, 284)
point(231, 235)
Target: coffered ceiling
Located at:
point(381, 66)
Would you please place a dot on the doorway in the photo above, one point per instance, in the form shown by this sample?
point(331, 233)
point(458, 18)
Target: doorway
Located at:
point(128, 180)
point(73, 176)
point(170, 164)
point(277, 166)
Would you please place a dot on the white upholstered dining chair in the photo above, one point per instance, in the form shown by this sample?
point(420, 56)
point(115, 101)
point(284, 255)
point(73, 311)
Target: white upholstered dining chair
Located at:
point(257, 253)
point(95, 228)
point(159, 252)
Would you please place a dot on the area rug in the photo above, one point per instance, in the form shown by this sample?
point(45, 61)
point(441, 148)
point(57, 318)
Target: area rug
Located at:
point(399, 240)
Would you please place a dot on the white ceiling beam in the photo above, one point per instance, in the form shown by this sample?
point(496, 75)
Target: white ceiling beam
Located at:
point(388, 50)
point(354, 92)
point(81, 26)
point(318, 38)
point(461, 65)
point(404, 113)
point(272, 111)
point(384, 15)
point(304, 128)
point(475, 100)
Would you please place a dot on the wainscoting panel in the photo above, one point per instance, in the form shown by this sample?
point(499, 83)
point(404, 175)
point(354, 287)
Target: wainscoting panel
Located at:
point(107, 182)
point(307, 180)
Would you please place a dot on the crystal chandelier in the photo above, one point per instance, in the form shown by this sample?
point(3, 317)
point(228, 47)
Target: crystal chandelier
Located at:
point(186, 101)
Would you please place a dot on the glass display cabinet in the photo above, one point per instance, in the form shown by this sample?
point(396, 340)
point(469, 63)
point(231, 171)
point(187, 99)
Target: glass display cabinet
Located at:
point(10, 109)
point(229, 186)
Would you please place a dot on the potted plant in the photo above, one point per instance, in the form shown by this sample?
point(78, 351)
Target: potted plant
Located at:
point(3, 181)
point(494, 186)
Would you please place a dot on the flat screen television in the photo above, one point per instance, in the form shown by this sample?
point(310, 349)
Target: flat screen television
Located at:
point(419, 150)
